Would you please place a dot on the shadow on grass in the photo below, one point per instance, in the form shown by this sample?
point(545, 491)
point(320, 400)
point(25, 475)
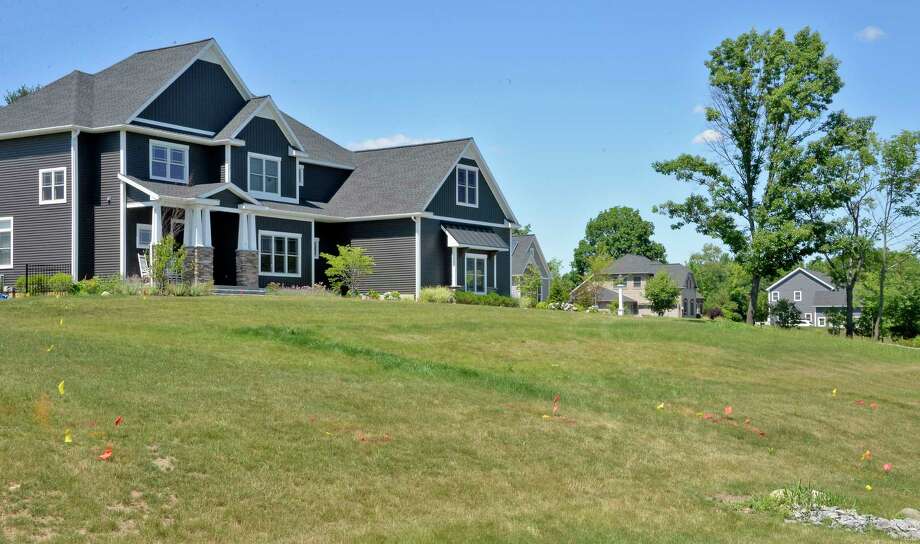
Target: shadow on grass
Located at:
point(389, 361)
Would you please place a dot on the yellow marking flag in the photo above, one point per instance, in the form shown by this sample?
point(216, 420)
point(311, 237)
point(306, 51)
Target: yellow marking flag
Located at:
point(660, 406)
point(68, 439)
point(50, 348)
point(834, 392)
point(61, 387)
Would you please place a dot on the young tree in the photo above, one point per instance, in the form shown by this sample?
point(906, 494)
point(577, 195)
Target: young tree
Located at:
point(16, 94)
point(785, 314)
point(594, 281)
point(769, 95)
point(531, 283)
point(840, 191)
point(522, 231)
point(662, 292)
point(167, 261)
point(348, 268)
point(898, 205)
point(616, 232)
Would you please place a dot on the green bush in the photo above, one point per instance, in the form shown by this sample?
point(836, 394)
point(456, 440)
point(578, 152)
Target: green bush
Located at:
point(59, 283)
point(526, 301)
point(543, 305)
point(491, 299)
point(273, 287)
point(443, 295)
point(373, 295)
point(785, 314)
point(392, 295)
point(183, 289)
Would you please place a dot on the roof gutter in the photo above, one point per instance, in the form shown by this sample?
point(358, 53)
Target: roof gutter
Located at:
point(127, 128)
point(305, 158)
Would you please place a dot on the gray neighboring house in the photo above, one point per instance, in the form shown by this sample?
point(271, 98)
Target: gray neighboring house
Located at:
point(94, 168)
point(634, 271)
point(525, 251)
point(812, 292)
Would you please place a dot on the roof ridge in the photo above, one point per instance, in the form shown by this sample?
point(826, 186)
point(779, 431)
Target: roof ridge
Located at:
point(171, 46)
point(412, 145)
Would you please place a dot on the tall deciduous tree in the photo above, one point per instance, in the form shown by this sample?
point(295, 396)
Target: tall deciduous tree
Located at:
point(769, 95)
point(898, 205)
point(616, 232)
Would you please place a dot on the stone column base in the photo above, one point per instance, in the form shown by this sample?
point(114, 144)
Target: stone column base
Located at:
point(247, 268)
point(199, 264)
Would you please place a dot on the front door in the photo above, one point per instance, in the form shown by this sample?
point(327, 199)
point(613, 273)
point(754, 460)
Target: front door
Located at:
point(476, 273)
point(224, 227)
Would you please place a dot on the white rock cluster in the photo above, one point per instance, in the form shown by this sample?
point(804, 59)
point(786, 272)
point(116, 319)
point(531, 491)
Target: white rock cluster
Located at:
point(850, 519)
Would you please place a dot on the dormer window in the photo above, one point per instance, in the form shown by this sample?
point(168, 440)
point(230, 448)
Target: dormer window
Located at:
point(264, 175)
point(168, 161)
point(467, 186)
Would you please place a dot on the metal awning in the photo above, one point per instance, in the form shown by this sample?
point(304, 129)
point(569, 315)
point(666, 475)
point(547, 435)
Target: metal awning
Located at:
point(474, 238)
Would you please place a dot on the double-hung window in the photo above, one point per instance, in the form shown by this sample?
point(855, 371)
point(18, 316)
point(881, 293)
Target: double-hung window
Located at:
point(637, 281)
point(52, 186)
point(807, 318)
point(168, 161)
point(822, 321)
point(467, 186)
point(6, 242)
point(774, 296)
point(475, 273)
point(796, 296)
point(279, 254)
point(264, 175)
point(144, 236)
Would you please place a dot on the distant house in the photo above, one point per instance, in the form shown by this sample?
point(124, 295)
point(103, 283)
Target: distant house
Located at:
point(526, 252)
point(812, 292)
point(634, 271)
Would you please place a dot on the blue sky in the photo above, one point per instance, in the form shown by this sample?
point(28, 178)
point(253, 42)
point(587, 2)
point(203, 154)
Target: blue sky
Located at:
point(570, 102)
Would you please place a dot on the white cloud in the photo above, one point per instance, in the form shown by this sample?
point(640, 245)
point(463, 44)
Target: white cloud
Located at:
point(707, 136)
point(699, 108)
point(870, 34)
point(387, 141)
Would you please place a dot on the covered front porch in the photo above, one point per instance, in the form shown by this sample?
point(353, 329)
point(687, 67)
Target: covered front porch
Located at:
point(474, 258)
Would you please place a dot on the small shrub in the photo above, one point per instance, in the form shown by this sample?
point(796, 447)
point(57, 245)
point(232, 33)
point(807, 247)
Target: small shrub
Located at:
point(189, 289)
point(89, 286)
point(526, 302)
point(836, 320)
point(490, 299)
point(593, 309)
point(61, 283)
point(441, 295)
point(563, 306)
point(542, 305)
point(714, 312)
point(373, 295)
point(392, 295)
point(273, 287)
point(785, 314)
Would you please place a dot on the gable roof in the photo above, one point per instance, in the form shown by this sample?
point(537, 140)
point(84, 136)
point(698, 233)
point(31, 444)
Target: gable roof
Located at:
point(318, 148)
point(639, 264)
point(520, 254)
point(819, 277)
point(258, 105)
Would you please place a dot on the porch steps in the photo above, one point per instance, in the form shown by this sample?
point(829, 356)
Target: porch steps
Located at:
point(231, 290)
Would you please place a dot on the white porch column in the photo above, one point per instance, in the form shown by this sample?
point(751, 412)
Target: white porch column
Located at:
point(453, 266)
point(188, 232)
point(620, 299)
point(197, 237)
point(206, 227)
point(495, 271)
point(242, 239)
point(156, 224)
point(253, 236)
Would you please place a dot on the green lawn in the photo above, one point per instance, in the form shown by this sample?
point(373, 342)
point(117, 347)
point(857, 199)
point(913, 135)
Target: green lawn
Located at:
point(300, 419)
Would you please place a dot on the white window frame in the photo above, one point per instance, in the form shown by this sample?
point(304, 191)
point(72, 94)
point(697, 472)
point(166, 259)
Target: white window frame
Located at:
point(822, 321)
point(286, 235)
point(52, 171)
point(170, 147)
point(263, 158)
point(807, 317)
point(315, 249)
point(634, 282)
point(12, 244)
point(300, 175)
point(467, 203)
point(137, 235)
point(796, 296)
point(485, 272)
point(774, 296)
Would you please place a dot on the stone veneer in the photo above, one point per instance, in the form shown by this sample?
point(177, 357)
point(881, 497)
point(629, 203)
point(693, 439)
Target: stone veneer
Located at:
point(199, 265)
point(247, 268)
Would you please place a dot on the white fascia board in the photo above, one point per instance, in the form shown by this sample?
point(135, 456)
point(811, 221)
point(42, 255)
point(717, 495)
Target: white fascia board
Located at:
point(233, 189)
point(802, 270)
point(277, 116)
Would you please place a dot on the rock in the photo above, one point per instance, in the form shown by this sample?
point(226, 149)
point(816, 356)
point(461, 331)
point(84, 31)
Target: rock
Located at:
point(778, 494)
point(909, 513)
point(105, 294)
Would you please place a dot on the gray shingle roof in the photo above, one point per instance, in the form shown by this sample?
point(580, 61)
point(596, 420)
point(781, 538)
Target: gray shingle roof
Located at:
point(318, 147)
point(240, 118)
point(475, 237)
point(606, 294)
point(638, 264)
point(176, 190)
point(830, 298)
point(103, 99)
point(520, 254)
point(395, 180)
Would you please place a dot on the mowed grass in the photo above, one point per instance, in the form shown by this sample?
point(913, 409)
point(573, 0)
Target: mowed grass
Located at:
point(299, 419)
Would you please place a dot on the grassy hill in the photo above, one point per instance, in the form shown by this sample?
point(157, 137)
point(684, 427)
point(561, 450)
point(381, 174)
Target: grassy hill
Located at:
point(296, 419)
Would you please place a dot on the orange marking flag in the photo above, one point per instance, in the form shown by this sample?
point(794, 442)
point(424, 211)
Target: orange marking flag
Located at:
point(106, 455)
point(119, 420)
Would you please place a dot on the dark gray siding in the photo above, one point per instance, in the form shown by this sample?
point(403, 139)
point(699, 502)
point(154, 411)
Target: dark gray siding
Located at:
point(444, 202)
point(306, 246)
point(391, 243)
point(799, 282)
point(41, 234)
point(203, 97)
point(204, 162)
point(321, 182)
point(106, 204)
point(435, 257)
point(265, 137)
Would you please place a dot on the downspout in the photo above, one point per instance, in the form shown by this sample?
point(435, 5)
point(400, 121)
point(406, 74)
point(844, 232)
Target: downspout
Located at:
point(418, 256)
point(74, 205)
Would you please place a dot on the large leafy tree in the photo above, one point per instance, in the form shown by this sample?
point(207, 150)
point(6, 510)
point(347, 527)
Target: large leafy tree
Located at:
point(662, 292)
point(769, 95)
point(616, 232)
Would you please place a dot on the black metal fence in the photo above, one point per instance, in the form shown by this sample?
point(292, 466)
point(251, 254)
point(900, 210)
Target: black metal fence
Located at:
point(45, 278)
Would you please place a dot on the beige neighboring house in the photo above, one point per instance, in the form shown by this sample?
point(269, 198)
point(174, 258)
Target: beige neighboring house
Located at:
point(634, 271)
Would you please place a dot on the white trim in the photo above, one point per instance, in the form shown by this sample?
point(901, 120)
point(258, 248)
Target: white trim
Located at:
point(468, 169)
point(796, 296)
point(52, 200)
point(233, 189)
point(175, 127)
point(314, 250)
point(74, 204)
point(170, 147)
point(511, 261)
point(303, 157)
point(807, 273)
point(495, 271)
point(821, 321)
point(122, 206)
point(418, 256)
point(807, 317)
point(225, 62)
point(453, 267)
point(12, 244)
point(264, 158)
point(485, 271)
point(228, 164)
point(137, 234)
point(774, 296)
point(277, 116)
point(464, 221)
point(277, 234)
point(138, 129)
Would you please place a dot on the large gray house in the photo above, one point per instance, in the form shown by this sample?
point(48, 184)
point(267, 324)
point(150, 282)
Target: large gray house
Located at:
point(812, 292)
point(94, 168)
